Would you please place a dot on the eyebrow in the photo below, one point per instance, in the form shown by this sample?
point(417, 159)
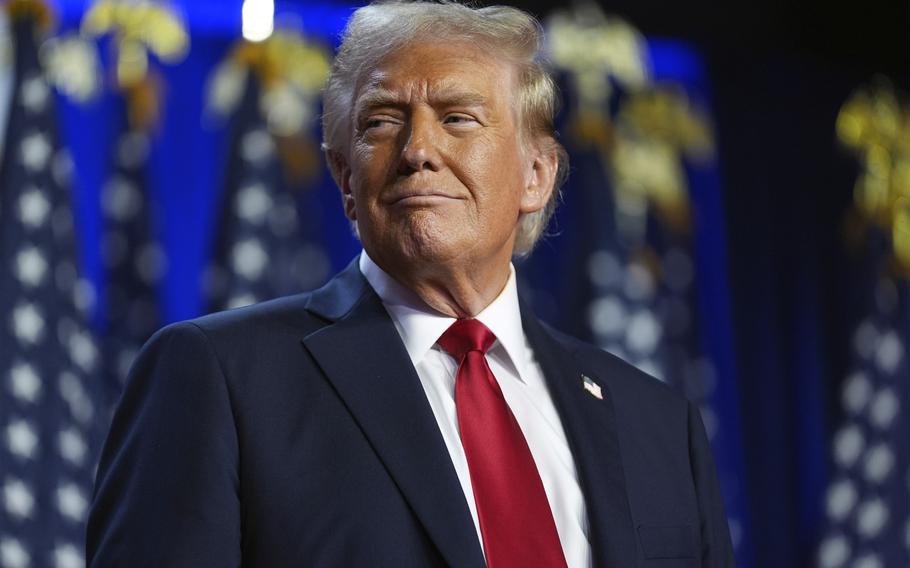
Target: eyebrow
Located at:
point(445, 95)
point(376, 97)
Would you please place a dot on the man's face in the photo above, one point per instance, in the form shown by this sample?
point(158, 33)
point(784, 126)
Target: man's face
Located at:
point(437, 174)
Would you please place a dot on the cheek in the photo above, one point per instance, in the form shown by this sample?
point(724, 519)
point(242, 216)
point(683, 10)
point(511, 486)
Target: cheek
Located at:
point(362, 156)
point(479, 161)
point(493, 172)
point(367, 170)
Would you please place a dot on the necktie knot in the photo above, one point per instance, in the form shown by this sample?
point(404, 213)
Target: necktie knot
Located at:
point(464, 336)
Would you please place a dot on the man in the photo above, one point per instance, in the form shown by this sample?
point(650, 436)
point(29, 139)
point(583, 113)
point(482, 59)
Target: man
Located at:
point(412, 412)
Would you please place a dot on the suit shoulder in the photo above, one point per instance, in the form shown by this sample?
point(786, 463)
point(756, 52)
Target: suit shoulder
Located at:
point(622, 377)
point(286, 312)
point(250, 327)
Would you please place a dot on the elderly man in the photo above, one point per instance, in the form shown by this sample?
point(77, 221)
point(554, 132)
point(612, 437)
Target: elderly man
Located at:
point(412, 412)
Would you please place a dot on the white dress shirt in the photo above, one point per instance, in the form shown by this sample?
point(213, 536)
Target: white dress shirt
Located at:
point(522, 383)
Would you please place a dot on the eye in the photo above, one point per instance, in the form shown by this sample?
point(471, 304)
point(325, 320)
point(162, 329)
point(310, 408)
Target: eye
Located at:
point(374, 123)
point(458, 119)
point(378, 121)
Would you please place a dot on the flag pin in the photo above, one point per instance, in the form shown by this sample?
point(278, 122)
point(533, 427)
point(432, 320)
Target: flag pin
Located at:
point(592, 387)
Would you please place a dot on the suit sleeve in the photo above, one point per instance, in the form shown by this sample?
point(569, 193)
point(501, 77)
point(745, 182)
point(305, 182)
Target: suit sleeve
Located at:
point(717, 550)
point(166, 492)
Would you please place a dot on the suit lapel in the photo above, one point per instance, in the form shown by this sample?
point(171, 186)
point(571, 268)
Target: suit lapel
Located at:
point(363, 357)
point(590, 426)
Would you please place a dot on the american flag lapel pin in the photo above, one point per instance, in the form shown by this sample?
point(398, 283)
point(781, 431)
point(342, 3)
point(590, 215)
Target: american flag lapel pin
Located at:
point(592, 387)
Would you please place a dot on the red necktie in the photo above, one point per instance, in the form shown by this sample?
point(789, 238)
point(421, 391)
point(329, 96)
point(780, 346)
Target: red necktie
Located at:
point(515, 519)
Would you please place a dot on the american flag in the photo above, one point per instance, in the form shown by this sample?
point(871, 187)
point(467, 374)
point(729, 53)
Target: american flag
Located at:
point(868, 498)
point(264, 250)
point(51, 423)
point(134, 260)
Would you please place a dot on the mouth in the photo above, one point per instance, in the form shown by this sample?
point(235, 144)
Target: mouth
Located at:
point(420, 199)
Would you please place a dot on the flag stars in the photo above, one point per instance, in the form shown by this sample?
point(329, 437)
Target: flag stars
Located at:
point(848, 444)
point(253, 203)
point(868, 560)
point(121, 199)
point(257, 146)
point(35, 151)
point(889, 353)
point(871, 518)
point(842, 498)
point(857, 392)
point(72, 447)
point(68, 556)
point(28, 323)
point(12, 554)
point(834, 552)
point(25, 383)
point(21, 439)
point(82, 350)
point(31, 267)
point(33, 208)
point(865, 339)
point(884, 408)
point(248, 258)
point(18, 499)
point(34, 94)
point(643, 332)
point(34, 502)
point(878, 463)
point(607, 316)
point(71, 503)
point(79, 404)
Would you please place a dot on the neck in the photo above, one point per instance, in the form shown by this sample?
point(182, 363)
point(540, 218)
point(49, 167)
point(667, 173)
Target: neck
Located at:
point(455, 291)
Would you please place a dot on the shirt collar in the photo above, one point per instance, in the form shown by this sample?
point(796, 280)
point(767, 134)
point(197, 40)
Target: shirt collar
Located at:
point(420, 326)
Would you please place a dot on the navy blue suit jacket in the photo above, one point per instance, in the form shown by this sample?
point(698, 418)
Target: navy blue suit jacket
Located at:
point(296, 433)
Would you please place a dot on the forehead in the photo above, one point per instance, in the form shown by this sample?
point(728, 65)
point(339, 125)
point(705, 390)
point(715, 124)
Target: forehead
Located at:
point(429, 69)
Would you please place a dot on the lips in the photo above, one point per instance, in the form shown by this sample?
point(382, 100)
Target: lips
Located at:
point(418, 197)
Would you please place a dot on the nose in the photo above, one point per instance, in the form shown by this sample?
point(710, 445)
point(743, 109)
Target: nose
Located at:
point(420, 151)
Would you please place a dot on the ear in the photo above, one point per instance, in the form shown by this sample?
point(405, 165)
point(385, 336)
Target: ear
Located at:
point(341, 173)
point(541, 177)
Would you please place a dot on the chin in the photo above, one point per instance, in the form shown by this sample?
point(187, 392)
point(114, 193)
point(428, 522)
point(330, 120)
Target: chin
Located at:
point(429, 240)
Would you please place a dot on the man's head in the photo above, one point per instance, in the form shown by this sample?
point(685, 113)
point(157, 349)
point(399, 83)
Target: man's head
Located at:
point(438, 127)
